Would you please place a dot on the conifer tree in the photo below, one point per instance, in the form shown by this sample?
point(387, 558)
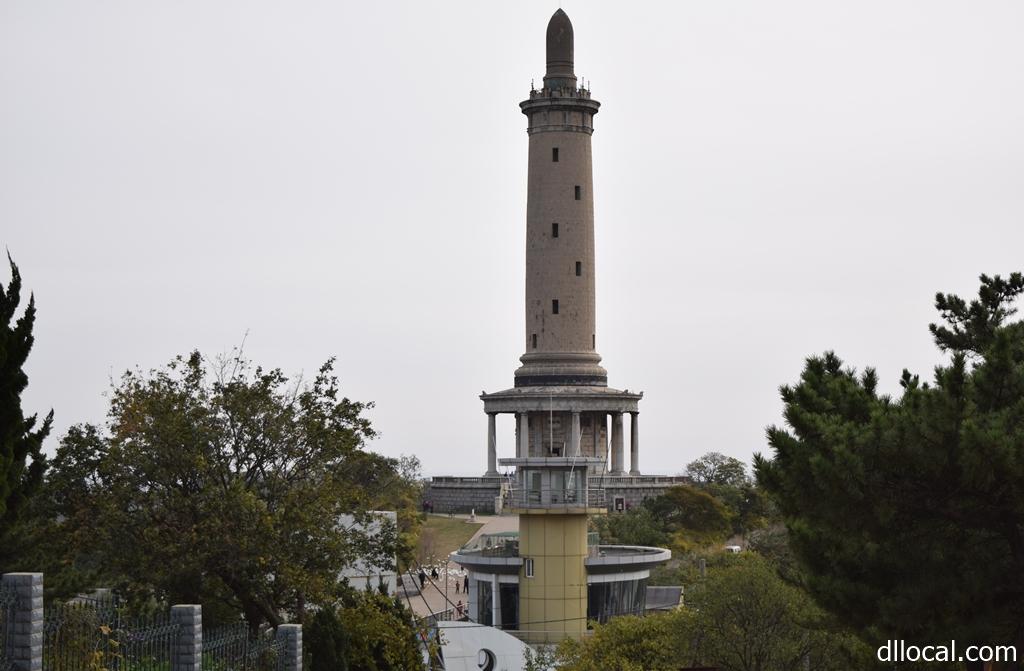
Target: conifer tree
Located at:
point(908, 513)
point(22, 463)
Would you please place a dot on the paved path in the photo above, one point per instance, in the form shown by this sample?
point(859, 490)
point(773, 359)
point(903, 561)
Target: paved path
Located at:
point(432, 599)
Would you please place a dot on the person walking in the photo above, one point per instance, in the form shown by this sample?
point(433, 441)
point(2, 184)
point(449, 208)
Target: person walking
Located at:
point(457, 583)
point(423, 578)
point(465, 584)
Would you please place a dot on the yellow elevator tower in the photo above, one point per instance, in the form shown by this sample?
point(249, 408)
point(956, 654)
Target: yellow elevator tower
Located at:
point(553, 500)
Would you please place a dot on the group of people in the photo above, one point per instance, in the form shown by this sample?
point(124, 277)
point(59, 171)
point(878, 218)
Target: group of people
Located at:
point(462, 585)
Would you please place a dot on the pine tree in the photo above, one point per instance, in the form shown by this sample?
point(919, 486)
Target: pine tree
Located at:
point(908, 513)
point(22, 463)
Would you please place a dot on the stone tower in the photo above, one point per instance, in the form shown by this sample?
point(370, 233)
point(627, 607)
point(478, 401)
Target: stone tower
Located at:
point(561, 398)
point(560, 347)
point(544, 583)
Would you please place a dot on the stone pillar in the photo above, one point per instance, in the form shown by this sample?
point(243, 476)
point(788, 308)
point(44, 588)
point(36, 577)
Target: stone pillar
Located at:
point(187, 649)
point(26, 653)
point(291, 637)
point(618, 446)
point(606, 444)
point(574, 436)
point(492, 446)
point(539, 431)
point(634, 443)
point(523, 450)
point(599, 449)
point(495, 602)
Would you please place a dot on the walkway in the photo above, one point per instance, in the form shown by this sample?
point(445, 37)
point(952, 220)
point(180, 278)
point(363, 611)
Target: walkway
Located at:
point(450, 575)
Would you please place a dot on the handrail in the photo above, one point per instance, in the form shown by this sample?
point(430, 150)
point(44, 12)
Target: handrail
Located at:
point(554, 497)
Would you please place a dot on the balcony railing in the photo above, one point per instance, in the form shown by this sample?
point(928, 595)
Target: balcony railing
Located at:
point(503, 544)
point(519, 497)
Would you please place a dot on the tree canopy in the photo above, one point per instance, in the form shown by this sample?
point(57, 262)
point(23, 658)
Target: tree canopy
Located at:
point(223, 483)
point(742, 617)
point(682, 517)
point(22, 463)
point(907, 514)
point(369, 632)
point(714, 468)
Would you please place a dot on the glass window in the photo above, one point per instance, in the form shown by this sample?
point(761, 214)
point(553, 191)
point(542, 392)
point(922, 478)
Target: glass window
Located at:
point(609, 599)
point(509, 605)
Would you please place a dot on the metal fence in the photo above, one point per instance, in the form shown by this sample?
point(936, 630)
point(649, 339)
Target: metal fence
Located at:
point(8, 603)
point(234, 648)
point(97, 635)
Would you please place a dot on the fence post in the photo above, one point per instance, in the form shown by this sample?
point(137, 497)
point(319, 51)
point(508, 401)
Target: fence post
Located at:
point(187, 651)
point(291, 636)
point(28, 620)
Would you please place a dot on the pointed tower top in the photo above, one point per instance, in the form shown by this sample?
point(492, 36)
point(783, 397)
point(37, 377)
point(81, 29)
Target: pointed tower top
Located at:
point(560, 47)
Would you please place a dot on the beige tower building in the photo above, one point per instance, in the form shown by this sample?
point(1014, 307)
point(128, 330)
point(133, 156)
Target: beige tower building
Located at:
point(546, 581)
point(561, 398)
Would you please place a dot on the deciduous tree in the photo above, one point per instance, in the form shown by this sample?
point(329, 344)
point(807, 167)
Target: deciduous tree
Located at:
point(714, 468)
point(224, 483)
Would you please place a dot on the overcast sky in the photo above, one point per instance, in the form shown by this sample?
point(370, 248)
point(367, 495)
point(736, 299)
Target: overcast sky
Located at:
point(346, 179)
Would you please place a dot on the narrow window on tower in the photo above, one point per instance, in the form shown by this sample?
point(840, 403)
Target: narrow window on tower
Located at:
point(534, 339)
point(554, 230)
point(528, 567)
point(554, 154)
point(577, 193)
point(554, 307)
point(593, 341)
point(579, 268)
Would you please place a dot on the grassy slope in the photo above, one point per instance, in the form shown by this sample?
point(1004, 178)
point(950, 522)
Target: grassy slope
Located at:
point(440, 535)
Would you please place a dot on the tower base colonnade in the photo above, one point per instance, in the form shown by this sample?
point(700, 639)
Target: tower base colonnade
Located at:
point(557, 422)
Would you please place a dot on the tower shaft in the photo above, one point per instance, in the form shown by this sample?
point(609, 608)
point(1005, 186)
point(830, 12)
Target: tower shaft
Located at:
point(561, 336)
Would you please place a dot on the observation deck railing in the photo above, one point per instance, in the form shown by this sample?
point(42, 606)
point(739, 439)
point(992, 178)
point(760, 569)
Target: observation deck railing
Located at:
point(520, 497)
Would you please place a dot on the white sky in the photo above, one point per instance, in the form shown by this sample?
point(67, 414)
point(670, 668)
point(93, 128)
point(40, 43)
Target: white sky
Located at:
point(771, 180)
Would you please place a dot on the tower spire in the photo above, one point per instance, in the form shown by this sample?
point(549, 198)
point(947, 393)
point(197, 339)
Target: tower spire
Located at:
point(560, 52)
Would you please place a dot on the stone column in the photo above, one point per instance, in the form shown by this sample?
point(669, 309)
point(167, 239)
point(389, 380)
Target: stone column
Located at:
point(523, 450)
point(618, 445)
point(574, 436)
point(599, 449)
point(634, 443)
point(492, 446)
point(26, 641)
point(605, 428)
point(495, 602)
point(187, 650)
point(291, 637)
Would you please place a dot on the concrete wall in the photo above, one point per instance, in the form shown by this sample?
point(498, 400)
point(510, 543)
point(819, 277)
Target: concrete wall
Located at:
point(462, 495)
point(634, 490)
